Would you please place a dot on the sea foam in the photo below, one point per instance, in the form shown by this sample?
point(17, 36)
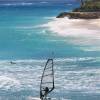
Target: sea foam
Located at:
point(74, 27)
point(26, 74)
point(7, 83)
point(17, 4)
point(77, 31)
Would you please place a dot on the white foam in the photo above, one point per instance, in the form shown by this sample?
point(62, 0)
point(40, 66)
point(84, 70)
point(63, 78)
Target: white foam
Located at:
point(93, 48)
point(17, 4)
point(76, 31)
point(74, 27)
point(33, 98)
point(86, 80)
point(73, 59)
point(41, 61)
point(25, 27)
point(26, 74)
point(50, 17)
point(8, 83)
point(44, 2)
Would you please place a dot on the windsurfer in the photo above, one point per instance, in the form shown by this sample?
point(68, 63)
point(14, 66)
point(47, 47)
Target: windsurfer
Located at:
point(47, 80)
point(46, 91)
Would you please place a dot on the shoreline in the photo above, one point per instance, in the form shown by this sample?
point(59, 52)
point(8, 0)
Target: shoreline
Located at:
point(77, 31)
point(79, 15)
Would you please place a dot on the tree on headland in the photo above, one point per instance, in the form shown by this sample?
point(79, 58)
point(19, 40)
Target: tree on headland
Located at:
point(88, 6)
point(82, 2)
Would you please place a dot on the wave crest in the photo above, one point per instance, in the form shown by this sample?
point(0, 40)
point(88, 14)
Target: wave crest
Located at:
point(17, 4)
point(7, 83)
point(77, 31)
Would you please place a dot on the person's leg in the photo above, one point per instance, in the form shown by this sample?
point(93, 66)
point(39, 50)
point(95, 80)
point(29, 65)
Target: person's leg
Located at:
point(45, 98)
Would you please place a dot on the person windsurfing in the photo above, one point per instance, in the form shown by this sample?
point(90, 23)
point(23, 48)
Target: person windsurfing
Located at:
point(47, 80)
point(46, 90)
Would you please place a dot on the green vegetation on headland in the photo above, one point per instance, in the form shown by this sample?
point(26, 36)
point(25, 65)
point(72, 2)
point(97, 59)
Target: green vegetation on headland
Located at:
point(89, 9)
point(89, 6)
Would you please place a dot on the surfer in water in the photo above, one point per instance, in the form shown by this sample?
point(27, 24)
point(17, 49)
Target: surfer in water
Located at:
point(12, 62)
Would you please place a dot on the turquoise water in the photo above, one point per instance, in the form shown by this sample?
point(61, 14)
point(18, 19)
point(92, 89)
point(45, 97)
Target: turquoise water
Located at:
point(77, 72)
point(19, 39)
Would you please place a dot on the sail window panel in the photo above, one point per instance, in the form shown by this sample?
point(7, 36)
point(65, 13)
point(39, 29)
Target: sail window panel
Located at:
point(48, 79)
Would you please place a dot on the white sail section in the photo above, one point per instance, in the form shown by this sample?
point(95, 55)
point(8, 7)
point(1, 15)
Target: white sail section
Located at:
point(47, 80)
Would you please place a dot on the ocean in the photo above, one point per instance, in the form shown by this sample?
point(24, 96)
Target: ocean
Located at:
point(29, 33)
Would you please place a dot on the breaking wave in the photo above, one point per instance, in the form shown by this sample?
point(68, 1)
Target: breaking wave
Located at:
point(23, 3)
point(7, 83)
point(76, 73)
point(22, 78)
point(77, 31)
point(17, 4)
point(43, 2)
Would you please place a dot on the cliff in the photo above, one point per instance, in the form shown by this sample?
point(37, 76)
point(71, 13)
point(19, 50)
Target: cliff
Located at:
point(90, 10)
point(81, 15)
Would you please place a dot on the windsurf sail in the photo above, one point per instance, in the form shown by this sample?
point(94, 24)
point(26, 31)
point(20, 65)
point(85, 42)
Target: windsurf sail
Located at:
point(47, 79)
